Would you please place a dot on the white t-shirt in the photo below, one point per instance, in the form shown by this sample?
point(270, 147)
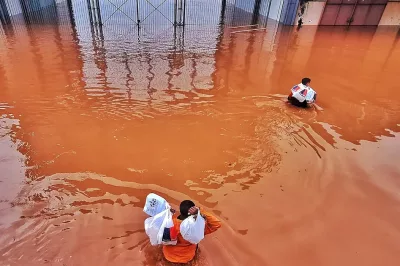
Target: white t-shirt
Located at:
point(303, 93)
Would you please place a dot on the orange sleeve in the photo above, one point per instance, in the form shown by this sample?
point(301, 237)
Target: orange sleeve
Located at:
point(212, 222)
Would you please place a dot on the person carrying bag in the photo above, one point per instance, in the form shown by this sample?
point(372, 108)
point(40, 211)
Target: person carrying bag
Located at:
point(191, 225)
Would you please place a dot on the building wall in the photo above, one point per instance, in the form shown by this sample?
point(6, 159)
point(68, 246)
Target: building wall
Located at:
point(391, 15)
point(312, 13)
point(283, 11)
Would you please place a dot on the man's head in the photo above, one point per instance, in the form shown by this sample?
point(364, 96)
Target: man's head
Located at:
point(306, 81)
point(184, 208)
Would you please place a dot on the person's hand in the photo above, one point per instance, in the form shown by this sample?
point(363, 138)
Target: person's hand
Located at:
point(193, 211)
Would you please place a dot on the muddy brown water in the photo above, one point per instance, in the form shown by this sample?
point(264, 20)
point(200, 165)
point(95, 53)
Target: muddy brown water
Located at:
point(90, 124)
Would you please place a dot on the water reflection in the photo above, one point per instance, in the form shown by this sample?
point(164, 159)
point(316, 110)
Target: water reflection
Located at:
point(93, 120)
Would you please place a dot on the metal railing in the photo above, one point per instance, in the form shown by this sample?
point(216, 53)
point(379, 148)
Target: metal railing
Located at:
point(137, 12)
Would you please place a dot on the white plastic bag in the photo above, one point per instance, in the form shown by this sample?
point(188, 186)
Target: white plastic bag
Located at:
point(303, 93)
point(311, 95)
point(192, 228)
point(155, 204)
point(155, 226)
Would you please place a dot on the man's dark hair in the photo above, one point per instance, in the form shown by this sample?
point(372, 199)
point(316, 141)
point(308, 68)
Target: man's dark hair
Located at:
point(185, 206)
point(305, 81)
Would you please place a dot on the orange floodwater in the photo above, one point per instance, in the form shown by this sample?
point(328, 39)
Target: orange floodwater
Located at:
point(91, 123)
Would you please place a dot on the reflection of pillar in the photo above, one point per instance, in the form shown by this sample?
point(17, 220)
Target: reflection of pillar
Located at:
point(194, 72)
point(76, 47)
point(59, 43)
point(176, 58)
point(284, 42)
point(223, 61)
point(96, 29)
point(377, 56)
point(247, 60)
point(219, 53)
point(150, 77)
point(38, 58)
point(33, 13)
point(129, 77)
point(100, 55)
point(179, 38)
point(3, 78)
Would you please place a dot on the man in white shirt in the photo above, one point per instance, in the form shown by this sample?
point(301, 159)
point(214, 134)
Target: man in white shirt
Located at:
point(301, 95)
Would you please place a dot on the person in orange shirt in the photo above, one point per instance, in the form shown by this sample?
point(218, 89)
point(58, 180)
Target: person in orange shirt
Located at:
point(184, 251)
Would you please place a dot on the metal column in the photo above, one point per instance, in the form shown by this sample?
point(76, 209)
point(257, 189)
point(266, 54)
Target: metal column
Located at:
point(184, 12)
point(137, 13)
point(256, 12)
point(179, 12)
point(222, 15)
point(71, 13)
point(97, 3)
point(94, 12)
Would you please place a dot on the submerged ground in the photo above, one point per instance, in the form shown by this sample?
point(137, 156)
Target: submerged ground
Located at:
point(91, 122)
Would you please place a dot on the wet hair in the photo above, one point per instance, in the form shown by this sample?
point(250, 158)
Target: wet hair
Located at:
point(305, 81)
point(185, 206)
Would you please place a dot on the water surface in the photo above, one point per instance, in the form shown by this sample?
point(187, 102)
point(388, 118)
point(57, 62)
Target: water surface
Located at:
point(92, 121)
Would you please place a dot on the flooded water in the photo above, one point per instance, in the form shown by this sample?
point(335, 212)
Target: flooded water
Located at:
point(92, 121)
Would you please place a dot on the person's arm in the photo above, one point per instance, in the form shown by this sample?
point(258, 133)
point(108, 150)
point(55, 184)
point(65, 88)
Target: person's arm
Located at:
point(212, 222)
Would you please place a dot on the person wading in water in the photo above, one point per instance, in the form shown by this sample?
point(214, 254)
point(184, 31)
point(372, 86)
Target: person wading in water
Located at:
point(184, 251)
point(302, 95)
